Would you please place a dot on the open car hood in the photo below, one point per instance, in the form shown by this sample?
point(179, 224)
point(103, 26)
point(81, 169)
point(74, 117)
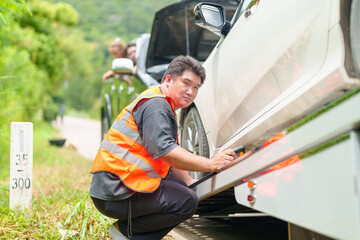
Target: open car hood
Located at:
point(172, 36)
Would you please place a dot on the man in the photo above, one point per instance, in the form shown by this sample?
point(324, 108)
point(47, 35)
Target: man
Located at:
point(131, 51)
point(140, 173)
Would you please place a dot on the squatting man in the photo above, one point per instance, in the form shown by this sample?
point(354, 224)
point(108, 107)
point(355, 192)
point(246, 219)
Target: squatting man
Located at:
point(140, 173)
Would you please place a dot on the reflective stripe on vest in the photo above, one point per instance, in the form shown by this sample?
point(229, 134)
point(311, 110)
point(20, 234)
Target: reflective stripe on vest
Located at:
point(122, 151)
point(121, 126)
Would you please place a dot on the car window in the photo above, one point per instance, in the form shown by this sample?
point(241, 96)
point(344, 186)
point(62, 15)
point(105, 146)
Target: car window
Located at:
point(244, 5)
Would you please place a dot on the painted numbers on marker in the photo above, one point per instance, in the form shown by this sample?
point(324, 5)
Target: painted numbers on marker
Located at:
point(21, 183)
point(21, 159)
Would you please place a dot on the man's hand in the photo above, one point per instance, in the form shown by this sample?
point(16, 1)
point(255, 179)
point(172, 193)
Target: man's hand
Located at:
point(182, 159)
point(221, 160)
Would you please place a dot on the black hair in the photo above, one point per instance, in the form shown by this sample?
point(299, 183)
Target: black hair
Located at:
point(182, 63)
point(131, 44)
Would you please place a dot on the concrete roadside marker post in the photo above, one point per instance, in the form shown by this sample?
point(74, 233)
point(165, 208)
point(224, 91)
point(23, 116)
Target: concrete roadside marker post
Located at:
point(21, 164)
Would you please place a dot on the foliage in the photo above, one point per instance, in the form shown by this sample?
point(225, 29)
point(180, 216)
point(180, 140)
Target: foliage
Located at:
point(61, 206)
point(8, 7)
point(19, 98)
point(70, 58)
point(33, 60)
point(52, 52)
point(105, 20)
point(101, 22)
point(45, 13)
point(56, 52)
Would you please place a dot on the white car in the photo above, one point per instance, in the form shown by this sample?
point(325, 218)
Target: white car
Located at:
point(276, 62)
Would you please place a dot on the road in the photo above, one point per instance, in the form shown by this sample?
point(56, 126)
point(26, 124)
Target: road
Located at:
point(85, 135)
point(233, 228)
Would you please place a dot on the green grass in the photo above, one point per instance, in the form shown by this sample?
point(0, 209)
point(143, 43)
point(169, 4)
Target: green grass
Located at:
point(61, 207)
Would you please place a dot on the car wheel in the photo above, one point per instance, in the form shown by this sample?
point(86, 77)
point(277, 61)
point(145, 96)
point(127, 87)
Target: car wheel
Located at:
point(355, 33)
point(193, 138)
point(104, 124)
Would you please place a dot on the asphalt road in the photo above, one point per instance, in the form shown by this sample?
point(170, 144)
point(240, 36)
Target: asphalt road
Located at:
point(84, 134)
point(233, 228)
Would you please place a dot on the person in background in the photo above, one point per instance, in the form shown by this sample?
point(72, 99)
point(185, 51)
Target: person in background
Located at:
point(117, 50)
point(62, 110)
point(131, 53)
point(140, 172)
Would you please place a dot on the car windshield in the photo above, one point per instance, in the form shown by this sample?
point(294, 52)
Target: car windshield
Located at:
point(175, 33)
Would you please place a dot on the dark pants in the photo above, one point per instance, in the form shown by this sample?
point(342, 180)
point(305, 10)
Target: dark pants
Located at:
point(153, 215)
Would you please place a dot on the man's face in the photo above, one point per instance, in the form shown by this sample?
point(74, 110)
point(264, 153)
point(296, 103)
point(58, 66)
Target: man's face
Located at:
point(131, 53)
point(184, 88)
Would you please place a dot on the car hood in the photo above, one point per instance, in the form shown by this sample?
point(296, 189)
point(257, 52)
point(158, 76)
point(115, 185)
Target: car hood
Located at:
point(172, 36)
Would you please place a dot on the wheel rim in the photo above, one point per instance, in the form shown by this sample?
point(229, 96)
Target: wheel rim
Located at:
point(191, 139)
point(191, 135)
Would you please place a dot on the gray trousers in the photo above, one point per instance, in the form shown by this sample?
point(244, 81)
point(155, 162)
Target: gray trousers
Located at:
point(152, 215)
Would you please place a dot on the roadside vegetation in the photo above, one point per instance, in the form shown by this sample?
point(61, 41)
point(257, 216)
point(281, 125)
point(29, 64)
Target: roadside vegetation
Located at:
point(52, 52)
point(55, 51)
point(61, 206)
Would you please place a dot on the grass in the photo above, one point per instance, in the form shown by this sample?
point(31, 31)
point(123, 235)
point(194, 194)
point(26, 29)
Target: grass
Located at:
point(61, 207)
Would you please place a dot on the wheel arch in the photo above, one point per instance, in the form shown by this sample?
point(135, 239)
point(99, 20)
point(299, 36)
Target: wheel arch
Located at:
point(181, 120)
point(183, 113)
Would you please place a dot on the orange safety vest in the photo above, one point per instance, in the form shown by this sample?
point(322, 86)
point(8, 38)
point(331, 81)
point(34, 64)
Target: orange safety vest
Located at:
point(122, 151)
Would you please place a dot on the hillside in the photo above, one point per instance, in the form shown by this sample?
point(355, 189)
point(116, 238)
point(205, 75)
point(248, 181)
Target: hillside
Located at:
point(104, 20)
point(100, 23)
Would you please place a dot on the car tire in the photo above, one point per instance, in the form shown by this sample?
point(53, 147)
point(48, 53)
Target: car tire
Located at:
point(193, 138)
point(104, 124)
point(355, 33)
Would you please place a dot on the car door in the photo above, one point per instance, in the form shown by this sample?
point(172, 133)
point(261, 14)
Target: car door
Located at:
point(239, 83)
point(296, 36)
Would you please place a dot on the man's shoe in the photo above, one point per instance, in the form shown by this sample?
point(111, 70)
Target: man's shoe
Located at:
point(115, 232)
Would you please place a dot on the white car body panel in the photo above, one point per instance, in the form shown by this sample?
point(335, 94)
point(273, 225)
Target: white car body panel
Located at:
point(326, 85)
point(335, 13)
point(296, 194)
point(253, 92)
point(297, 57)
point(243, 70)
point(319, 192)
point(298, 49)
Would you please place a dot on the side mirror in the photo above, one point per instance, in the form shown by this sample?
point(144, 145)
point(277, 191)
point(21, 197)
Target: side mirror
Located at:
point(212, 17)
point(122, 65)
